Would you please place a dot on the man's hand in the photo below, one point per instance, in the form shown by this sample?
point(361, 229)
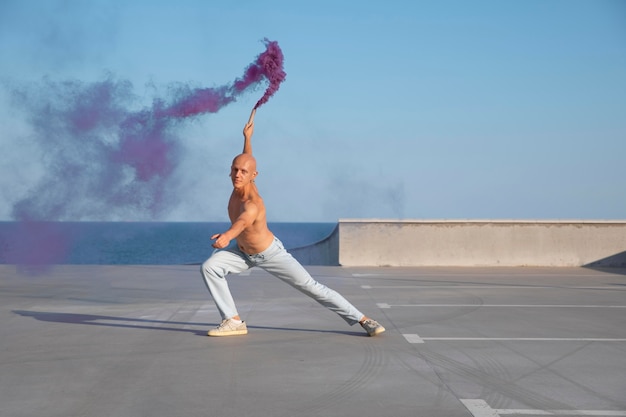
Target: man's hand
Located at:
point(248, 130)
point(221, 241)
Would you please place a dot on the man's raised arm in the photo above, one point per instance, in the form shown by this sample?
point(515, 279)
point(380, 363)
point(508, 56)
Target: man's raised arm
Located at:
point(248, 130)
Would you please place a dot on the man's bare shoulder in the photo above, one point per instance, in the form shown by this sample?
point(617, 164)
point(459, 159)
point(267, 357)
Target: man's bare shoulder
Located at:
point(254, 196)
point(249, 203)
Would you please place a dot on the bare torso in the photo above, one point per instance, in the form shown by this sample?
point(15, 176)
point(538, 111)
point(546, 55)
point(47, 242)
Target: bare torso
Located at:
point(256, 237)
point(246, 209)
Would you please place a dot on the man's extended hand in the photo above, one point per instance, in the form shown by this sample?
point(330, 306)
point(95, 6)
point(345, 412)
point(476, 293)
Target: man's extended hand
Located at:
point(248, 130)
point(221, 241)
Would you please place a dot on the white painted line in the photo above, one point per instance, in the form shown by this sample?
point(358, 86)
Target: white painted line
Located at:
point(452, 287)
point(502, 273)
point(366, 287)
point(561, 412)
point(523, 339)
point(479, 408)
point(480, 287)
point(383, 305)
point(504, 305)
point(413, 338)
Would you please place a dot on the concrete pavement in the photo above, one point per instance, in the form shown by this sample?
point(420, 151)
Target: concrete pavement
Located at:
point(131, 341)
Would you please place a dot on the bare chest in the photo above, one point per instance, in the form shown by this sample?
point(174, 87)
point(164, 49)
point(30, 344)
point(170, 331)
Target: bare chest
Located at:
point(235, 208)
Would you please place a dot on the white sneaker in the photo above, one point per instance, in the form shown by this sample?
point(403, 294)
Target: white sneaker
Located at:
point(229, 327)
point(372, 327)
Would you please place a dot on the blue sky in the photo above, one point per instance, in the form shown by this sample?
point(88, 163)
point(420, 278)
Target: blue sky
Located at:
point(397, 109)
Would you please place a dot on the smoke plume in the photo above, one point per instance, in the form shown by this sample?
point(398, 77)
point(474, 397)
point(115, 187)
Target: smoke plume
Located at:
point(106, 160)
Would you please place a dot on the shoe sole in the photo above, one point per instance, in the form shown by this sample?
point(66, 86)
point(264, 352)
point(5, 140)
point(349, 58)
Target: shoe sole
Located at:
point(377, 332)
point(229, 333)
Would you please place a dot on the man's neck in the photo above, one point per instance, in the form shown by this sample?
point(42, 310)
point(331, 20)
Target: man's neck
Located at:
point(245, 191)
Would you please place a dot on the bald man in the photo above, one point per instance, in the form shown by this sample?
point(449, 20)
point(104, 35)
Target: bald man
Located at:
point(257, 246)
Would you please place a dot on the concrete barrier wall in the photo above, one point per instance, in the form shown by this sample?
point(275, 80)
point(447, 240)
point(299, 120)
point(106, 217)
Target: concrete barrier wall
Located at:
point(325, 252)
point(481, 243)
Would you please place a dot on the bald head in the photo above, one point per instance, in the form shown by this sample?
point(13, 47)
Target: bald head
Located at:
point(243, 170)
point(245, 158)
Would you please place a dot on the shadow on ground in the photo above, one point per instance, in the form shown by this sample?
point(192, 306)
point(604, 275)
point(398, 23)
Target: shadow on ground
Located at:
point(137, 323)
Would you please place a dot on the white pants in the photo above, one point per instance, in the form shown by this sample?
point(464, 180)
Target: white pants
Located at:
point(278, 262)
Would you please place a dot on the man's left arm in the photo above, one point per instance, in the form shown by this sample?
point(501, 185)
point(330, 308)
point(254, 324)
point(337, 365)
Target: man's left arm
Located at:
point(245, 219)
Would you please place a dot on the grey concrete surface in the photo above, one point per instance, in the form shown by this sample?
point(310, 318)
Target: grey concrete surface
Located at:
point(552, 243)
point(130, 341)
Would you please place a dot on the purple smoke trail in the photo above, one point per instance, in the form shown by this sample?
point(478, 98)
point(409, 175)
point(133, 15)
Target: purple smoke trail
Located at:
point(271, 62)
point(105, 161)
point(39, 245)
point(268, 65)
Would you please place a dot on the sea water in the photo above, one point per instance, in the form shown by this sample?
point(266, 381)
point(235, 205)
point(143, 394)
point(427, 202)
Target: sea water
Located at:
point(150, 243)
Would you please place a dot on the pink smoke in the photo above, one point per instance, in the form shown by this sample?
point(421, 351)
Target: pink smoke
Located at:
point(36, 245)
point(271, 64)
point(105, 161)
point(268, 65)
